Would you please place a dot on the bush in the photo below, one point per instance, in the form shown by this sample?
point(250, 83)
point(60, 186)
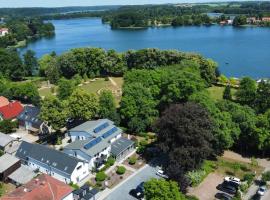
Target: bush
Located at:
point(132, 160)
point(244, 187)
point(1, 153)
point(74, 186)
point(101, 176)
point(111, 161)
point(266, 176)
point(249, 178)
point(120, 170)
point(106, 78)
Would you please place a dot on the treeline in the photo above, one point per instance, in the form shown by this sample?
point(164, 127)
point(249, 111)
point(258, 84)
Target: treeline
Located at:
point(23, 29)
point(95, 62)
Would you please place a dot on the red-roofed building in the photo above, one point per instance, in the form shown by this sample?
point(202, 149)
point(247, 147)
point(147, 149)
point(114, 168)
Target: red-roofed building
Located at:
point(3, 101)
point(44, 187)
point(11, 111)
point(3, 31)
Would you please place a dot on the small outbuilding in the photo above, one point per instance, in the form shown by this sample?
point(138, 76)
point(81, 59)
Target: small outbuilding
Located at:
point(8, 164)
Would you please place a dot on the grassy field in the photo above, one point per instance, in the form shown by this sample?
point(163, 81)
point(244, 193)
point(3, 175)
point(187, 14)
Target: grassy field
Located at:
point(216, 92)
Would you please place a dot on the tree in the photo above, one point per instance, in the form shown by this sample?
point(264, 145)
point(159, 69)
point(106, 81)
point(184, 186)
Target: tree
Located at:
point(8, 126)
point(107, 106)
point(240, 20)
point(184, 134)
point(246, 93)
point(30, 62)
point(54, 112)
point(227, 93)
point(65, 88)
point(160, 189)
point(82, 105)
point(262, 102)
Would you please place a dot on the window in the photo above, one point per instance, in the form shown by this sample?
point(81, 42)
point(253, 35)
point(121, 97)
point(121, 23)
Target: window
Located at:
point(79, 167)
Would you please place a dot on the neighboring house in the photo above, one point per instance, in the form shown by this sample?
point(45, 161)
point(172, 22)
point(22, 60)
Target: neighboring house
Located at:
point(3, 31)
point(29, 120)
point(52, 162)
point(8, 144)
point(3, 101)
point(85, 193)
point(8, 164)
point(11, 111)
point(266, 19)
point(93, 142)
point(43, 187)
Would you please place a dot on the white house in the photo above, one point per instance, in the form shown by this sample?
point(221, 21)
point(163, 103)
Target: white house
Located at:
point(95, 141)
point(52, 162)
point(3, 31)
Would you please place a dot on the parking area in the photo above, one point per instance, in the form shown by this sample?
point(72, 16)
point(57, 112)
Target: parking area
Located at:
point(122, 192)
point(24, 135)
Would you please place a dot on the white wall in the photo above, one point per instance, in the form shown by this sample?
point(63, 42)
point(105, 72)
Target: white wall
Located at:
point(68, 197)
point(81, 171)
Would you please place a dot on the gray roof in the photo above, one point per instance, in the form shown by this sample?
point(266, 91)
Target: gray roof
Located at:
point(22, 175)
point(120, 146)
point(89, 128)
point(5, 139)
point(7, 161)
point(30, 114)
point(48, 156)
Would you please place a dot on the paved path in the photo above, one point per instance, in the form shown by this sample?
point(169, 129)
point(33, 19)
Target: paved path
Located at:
point(121, 191)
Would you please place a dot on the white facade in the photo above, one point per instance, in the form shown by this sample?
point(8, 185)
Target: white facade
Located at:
point(3, 31)
point(79, 173)
point(68, 197)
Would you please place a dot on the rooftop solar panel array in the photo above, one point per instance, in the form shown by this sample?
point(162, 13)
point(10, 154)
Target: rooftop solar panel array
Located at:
point(109, 132)
point(101, 127)
point(92, 143)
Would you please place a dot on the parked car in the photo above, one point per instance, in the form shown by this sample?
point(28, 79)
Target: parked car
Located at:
point(232, 180)
point(228, 188)
point(137, 194)
point(223, 196)
point(161, 173)
point(261, 191)
point(140, 187)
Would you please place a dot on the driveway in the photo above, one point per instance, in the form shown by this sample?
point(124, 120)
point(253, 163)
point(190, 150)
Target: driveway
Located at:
point(122, 192)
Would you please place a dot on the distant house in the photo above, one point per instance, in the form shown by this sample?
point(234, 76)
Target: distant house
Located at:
point(43, 187)
point(3, 101)
point(3, 31)
point(266, 19)
point(11, 111)
point(95, 141)
point(8, 164)
point(8, 144)
point(52, 162)
point(29, 120)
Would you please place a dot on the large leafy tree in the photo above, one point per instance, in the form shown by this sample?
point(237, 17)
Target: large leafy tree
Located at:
point(83, 105)
point(262, 102)
point(160, 189)
point(54, 112)
point(184, 134)
point(246, 93)
point(107, 105)
point(30, 62)
point(65, 88)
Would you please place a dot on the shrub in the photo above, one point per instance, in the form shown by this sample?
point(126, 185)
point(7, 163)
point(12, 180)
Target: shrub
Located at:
point(111, 161)
point(266, 176)
point(106, 78)
point(254, 162)
point(101, 176)
point(74, 186)
point(249, 178)
point(1, 153)
point(244, 187)
point(120, 170)
point(132, 160)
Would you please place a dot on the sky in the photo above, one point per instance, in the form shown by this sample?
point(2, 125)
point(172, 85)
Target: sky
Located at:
point(59, 3)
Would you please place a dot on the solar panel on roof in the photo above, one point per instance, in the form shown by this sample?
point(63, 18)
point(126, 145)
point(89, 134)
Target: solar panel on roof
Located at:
point(92, 143)
point(109, 132)
point(101, 127)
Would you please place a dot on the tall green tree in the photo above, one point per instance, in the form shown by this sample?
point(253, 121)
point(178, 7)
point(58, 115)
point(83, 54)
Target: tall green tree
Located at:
point(30, 62)
point(65, 88)
point(107, 105)
point(160, 189)
point(83, 105)
point(227, 93)
point(262, 102)
point(54, 112)
point(246, 93)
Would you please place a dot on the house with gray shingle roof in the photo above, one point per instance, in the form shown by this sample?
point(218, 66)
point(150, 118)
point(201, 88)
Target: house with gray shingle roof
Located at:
point(52, 162)
point(93, 141)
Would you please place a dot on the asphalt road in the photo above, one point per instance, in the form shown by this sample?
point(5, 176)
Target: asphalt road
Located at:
point(122, 192)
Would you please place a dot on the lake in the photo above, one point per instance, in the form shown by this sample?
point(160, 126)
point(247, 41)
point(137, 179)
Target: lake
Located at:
point(238, 51)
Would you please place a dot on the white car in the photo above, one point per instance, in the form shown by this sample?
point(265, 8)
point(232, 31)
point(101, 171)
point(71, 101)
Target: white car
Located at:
point(232, 180)
point(160, 173)
point(261, 191)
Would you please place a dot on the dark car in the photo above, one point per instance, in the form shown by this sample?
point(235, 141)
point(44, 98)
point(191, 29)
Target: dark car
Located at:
point(136, 193)
point(229, 188)
point(223, 196)
point(140, 187)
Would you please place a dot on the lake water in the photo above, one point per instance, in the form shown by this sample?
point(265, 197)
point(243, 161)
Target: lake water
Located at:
point(238, 51)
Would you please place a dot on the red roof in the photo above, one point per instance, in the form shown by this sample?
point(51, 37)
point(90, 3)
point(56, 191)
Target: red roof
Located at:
point(3, 101)
point(12, 110)
point(44, 187)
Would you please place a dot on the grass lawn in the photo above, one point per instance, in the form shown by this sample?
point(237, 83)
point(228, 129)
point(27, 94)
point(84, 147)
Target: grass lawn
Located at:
point(94, 87)
point(6, 188)
point(216, 92)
